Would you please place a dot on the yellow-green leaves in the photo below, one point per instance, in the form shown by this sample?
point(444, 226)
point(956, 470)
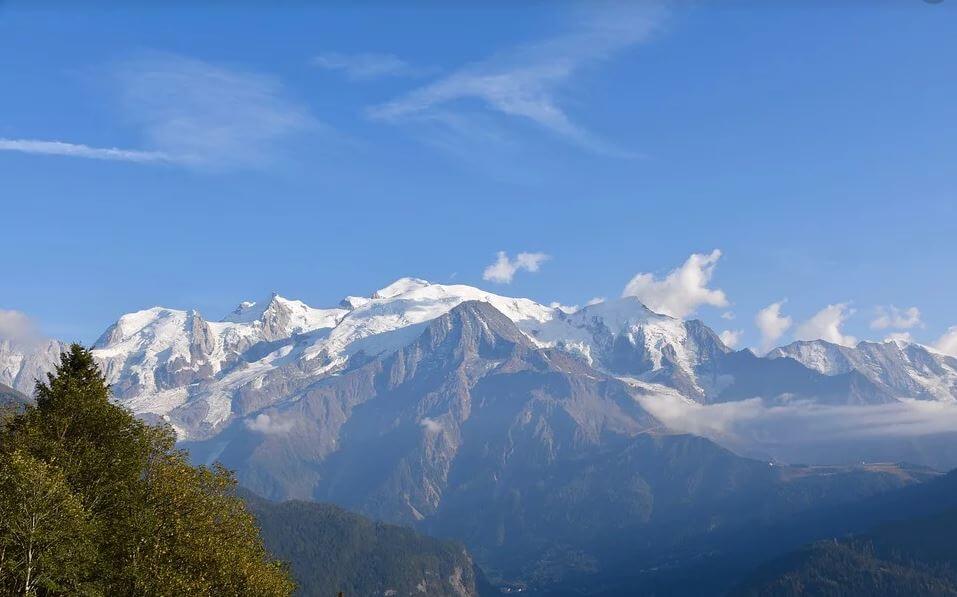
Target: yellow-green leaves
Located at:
point(45, 542)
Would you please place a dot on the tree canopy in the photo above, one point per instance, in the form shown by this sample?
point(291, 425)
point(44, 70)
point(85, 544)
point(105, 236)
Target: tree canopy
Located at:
point(94, 501)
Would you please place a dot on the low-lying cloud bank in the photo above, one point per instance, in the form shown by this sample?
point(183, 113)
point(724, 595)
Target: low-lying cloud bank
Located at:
point(916, 431)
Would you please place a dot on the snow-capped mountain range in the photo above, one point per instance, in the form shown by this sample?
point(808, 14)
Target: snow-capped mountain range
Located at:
point(179, 366)
point(524, 430)
point(199, 374)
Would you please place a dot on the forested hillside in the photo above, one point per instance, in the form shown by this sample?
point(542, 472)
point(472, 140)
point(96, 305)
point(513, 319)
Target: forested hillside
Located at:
point(911, 553)
point(331, 550)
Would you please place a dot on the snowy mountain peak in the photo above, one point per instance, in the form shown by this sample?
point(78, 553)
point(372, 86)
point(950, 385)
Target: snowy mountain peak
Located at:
point(354, 302)
point(283, 317)
point(623, 312)
point(400, 286)
point(241, 312)
point(902, 368)
point(137, 323)
point(248, 311)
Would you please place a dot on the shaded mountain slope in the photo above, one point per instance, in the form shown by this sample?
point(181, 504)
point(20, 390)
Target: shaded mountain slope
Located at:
point(742, 374)
point(910, 553)
point(11, 397)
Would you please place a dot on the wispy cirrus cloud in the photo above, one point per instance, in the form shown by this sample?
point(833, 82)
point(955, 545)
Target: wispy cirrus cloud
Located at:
point(190, 112)
point(526, 82)
point(206, 114)
point(368, 65)
point(62, 148)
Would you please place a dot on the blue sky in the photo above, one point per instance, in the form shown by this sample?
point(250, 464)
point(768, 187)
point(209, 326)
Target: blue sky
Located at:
point(196, 157)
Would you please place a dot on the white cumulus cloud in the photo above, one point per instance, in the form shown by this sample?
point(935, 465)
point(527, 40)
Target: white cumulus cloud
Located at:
point(772, 324)
point(895, 318)
point(683, 290)
point(263, 423)
point(431, 425)
point(826, 325)
point(948, 342)
point(899, 336)
point(564, 308)
point(16, 326)
point(505, 268)
point(731, 338)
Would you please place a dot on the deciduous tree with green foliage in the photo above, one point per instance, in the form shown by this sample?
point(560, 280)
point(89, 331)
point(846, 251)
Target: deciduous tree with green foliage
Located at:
point(44, 530)
point(117, 509)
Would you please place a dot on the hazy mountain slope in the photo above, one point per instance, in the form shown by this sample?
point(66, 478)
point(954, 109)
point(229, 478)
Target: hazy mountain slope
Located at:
point(851, 568)
point(651, 499)
point(741, 375)
point(331, 550)
point(11, 397)
point(712, 563)
point(908, 550)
